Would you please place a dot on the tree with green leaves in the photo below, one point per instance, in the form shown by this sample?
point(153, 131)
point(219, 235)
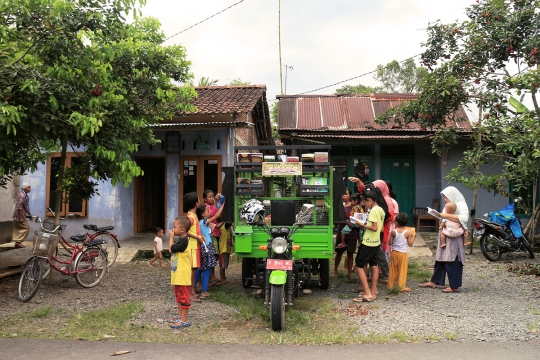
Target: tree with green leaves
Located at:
point(485, 60)
point(358, 89)
point(404, 77)
point(206, 81)
point(238, 82)
point(76, 73)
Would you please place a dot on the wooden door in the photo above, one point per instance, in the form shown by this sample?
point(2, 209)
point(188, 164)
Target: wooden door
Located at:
point(197, 174)
point(141, 204)
point(400, 172)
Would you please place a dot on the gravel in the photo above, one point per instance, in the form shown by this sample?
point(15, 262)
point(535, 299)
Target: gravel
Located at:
point(493, 305)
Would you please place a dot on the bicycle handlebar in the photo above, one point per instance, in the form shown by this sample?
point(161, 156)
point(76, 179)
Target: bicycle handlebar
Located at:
point(40, 222)
point(62, 218)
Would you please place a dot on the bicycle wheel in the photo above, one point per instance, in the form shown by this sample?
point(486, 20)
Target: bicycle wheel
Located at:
point(90, 266)
point(30, 280)
point(110, 246)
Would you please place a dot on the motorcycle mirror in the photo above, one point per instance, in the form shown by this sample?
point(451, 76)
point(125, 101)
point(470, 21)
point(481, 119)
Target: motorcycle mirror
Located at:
point(486, 215)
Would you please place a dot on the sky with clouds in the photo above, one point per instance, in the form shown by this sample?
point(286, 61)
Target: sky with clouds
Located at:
point(325, 41)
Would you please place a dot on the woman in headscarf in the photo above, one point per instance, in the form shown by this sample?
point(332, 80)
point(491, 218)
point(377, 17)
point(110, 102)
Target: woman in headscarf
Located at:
point(449, 260)
point(21, 228)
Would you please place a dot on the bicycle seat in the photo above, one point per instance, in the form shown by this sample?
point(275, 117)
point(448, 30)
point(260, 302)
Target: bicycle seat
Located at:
point(105, 228)
point(95, 242)
point(78, 238)
point(90, 227)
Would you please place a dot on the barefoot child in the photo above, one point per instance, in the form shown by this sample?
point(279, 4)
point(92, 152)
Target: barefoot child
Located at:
point(208, 260)
point(451, 228)
point(400, 239)
point(158, 247)
point(225, 249)
point(181, 270)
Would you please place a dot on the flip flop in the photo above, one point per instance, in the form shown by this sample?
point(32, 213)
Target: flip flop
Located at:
point(228, 282)
point(450, 290)
point(406, 290)
point(180, 324)
point(427, 285)
point(196, 299)
point(19, 246)
point(363, 299)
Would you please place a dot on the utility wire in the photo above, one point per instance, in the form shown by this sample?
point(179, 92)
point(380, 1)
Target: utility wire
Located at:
point(355, 77)
point(200, 22)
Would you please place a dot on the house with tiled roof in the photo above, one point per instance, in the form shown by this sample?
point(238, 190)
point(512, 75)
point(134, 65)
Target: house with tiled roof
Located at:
point(193, 149)
point(370, 151)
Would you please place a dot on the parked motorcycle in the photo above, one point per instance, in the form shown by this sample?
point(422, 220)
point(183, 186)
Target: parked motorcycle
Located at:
point(501, 232)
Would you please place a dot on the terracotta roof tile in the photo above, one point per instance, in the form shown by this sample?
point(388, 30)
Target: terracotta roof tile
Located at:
point(227, 99)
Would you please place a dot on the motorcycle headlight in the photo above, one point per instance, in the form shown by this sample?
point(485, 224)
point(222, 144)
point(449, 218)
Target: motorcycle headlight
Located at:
point(279, 245)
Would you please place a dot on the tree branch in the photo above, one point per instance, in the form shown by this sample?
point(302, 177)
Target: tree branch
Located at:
point(23, 55)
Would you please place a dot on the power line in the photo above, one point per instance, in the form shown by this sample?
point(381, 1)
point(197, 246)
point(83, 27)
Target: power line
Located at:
point(200, 22)
point(355, 77)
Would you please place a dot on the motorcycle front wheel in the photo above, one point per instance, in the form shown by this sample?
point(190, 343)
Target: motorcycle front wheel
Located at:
point(277, 307)
point(527, 248)
point(490, 250)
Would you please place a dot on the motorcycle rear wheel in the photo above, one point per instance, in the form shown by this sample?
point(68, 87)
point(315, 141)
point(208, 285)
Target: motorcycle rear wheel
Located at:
point(490, 250)
point(277, 307)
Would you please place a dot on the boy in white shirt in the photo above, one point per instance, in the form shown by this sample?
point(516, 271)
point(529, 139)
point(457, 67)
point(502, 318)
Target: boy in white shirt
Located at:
point(400, 240)
point(158, 247)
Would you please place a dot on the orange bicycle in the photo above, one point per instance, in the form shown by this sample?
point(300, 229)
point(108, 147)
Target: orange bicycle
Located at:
point(88, 262)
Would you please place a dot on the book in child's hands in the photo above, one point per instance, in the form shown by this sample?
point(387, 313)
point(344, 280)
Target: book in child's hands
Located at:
point(434, 213)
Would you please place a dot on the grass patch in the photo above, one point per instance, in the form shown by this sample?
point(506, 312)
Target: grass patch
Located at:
point(419, 271)
point(143, 255)
point(535, 312)
point(42, 312)
point(394, 291)
point(92, 325)
point(533, 327)
point(451, 336)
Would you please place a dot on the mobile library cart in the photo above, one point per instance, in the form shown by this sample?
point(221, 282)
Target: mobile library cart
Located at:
point(283, 221)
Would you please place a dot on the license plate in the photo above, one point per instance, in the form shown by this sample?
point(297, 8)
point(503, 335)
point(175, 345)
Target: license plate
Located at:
point(274, 264)
point(478, 233)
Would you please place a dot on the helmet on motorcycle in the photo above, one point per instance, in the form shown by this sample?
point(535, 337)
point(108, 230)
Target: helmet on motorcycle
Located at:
point(252, 211)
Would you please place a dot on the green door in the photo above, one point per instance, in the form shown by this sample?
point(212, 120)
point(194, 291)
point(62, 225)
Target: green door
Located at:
point(400, 172)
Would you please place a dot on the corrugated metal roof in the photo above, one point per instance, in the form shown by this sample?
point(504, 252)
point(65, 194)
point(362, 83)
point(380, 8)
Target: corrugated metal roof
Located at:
point(365, 137)
point(287, 112)
point(309, 114)
point(346, 113)
point(333, 114)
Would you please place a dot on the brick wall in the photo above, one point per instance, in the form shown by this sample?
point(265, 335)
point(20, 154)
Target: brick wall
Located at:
point(245, 136)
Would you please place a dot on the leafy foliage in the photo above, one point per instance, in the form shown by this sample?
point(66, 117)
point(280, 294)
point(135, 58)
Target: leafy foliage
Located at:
point(78, 69)
point(206, 81)
point(238, 82)
point(358, 89)
point(485, 60)
point(403, 77)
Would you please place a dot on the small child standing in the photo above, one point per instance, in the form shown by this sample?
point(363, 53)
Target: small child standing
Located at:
point(181, 270)
point(451, 228)
point(158, 248)
point(208, 259)
point(225, 250)
point(348, 228)
point(400, 239)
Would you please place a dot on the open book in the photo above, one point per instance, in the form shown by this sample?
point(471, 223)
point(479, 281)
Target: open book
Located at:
point(434, 213)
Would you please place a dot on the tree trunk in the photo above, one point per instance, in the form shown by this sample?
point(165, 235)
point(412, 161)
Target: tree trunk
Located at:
point(475, 192)
point(54, 276)
point(532, 231)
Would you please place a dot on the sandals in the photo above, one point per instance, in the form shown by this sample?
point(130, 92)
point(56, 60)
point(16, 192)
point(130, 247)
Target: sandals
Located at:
point(363, 299)
point(450, 290)
point(427, 285)
point(19, 246)
point(180, 324)
point(406, 289)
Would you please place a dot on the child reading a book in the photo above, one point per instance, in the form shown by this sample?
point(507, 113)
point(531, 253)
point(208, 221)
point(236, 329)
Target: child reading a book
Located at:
point(347, 229)
point(451, 228)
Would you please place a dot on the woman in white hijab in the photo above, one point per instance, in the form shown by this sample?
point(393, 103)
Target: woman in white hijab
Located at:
point(449, 260)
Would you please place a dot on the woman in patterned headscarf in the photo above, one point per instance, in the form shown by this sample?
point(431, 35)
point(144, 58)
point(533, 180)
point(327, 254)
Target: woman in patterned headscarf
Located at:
point(450, 260)
point(21, 228)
